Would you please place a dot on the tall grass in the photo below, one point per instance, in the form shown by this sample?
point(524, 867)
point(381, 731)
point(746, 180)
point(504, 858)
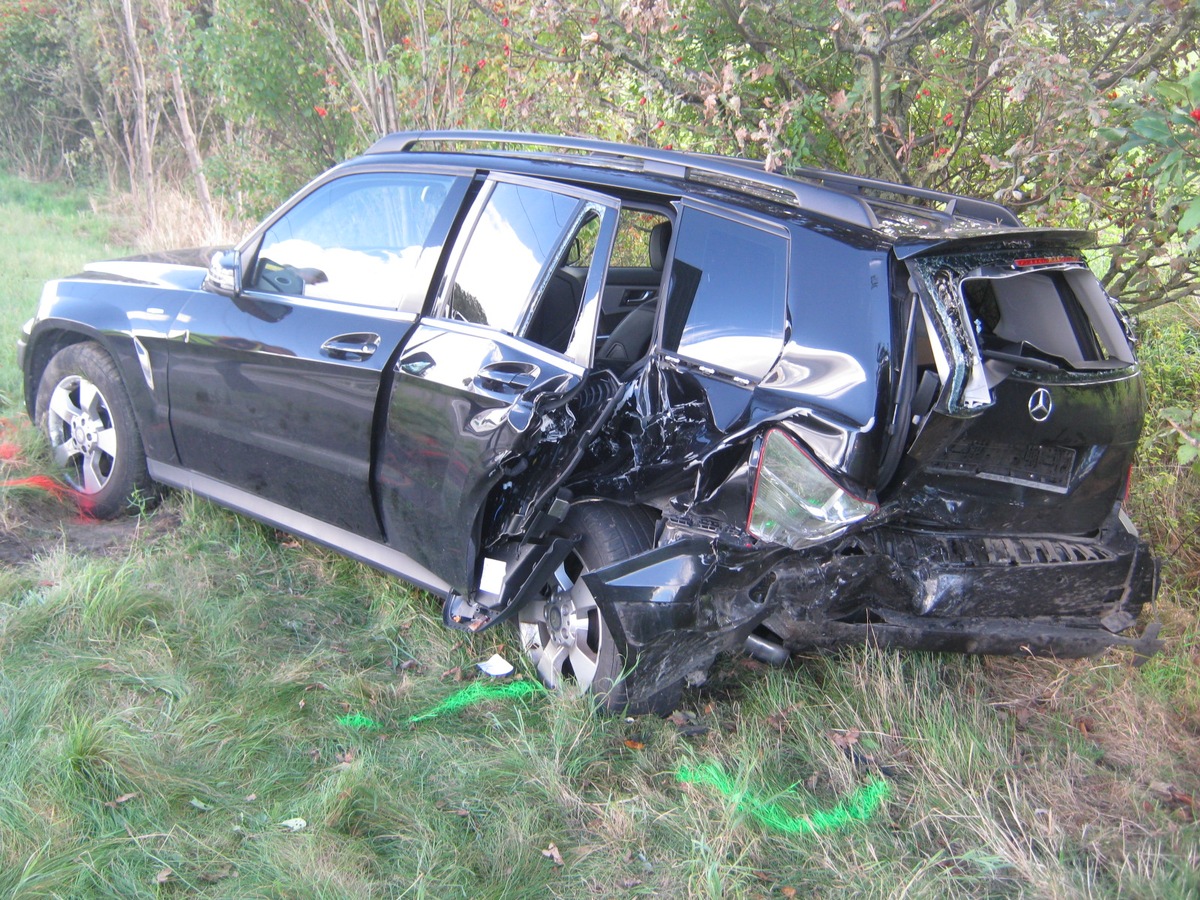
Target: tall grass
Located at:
point(176, 697)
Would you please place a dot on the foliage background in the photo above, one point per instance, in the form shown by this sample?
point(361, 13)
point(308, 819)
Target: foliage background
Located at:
point(1076, 112)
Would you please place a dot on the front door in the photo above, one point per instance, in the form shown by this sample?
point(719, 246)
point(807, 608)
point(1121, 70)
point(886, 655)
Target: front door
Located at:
point(484, 380)
point(276, 389)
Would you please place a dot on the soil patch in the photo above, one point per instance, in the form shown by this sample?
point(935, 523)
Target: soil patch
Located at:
point(44, 527)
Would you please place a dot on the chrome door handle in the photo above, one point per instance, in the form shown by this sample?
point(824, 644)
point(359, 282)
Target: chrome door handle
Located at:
point(358, 346)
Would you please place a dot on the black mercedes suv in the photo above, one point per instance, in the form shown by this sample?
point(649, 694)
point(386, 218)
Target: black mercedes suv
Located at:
point(647, 405)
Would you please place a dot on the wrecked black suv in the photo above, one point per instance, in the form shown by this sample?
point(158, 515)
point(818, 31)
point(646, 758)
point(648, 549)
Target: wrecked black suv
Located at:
point(649, 406)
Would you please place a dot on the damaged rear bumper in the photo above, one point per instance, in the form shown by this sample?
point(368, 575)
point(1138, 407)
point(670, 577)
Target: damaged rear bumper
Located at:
point(673, 609)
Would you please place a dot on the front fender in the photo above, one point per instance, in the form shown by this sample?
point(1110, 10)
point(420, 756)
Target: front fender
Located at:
point(132, 323)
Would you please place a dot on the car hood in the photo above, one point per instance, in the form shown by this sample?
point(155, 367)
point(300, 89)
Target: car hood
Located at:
point(171, 268)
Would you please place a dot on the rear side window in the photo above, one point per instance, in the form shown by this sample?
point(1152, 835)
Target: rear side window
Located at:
point(728, 292)
point(509, 254)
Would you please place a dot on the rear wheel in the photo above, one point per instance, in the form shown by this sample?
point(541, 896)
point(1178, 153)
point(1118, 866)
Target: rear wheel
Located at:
point(564, 632)
point(83, 410)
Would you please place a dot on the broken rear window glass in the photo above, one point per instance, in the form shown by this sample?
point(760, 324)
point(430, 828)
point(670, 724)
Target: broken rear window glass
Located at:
point(1059, 317)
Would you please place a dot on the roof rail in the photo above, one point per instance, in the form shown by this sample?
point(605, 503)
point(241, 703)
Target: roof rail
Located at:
point(834, 194)
point(955, 205)
point(725, 172)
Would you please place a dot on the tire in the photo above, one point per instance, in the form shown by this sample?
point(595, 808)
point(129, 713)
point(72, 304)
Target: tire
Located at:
point(564, 633)
point(84, 411)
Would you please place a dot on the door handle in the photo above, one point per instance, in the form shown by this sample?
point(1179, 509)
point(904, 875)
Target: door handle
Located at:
point(507, 377)
point(357, 346)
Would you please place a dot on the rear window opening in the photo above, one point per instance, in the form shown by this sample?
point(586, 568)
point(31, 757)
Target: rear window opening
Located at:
point(987, 318)
point(1058, 319)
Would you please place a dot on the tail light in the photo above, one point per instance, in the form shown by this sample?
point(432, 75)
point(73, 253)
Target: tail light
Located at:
point(795, 503)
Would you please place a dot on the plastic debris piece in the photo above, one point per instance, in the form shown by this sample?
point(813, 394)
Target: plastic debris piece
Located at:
point(491, 580)
point(857, 807)
point(497, 666)
point(293, 825)
point(477, 692)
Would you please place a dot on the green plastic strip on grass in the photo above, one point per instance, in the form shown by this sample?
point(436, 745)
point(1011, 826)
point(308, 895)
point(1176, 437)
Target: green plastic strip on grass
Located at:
point(477, 692)
point(358, 720)
point(858, 807)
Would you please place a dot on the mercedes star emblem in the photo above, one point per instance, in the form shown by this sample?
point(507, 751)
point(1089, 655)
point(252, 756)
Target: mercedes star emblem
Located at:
point(1040, 405)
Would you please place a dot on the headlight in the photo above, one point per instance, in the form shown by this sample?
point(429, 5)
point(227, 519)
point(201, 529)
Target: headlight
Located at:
point(795, 503)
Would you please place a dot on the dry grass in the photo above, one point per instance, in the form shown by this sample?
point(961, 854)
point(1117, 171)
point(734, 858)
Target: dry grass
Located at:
point(179, 221)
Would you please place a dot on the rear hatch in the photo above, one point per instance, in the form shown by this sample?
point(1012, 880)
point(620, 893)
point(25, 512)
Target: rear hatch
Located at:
point(1025, 400)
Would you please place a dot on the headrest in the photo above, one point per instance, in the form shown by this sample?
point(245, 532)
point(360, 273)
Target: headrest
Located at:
point(660, 240)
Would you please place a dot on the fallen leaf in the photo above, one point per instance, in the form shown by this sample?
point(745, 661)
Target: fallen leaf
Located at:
point(251, 797)
point(454, 674)
point(117, 801)
point(679, 718)
point(1086, 724)
point(200, 805)
point(316, 686)
point(788, 891)
point(163, 876)
point(1170, 795)
point(779, 718)
point(632, 745)
point(345, 757)
point(844, 740)
point(1162, 788)
point(551, 853)
point(218, 874)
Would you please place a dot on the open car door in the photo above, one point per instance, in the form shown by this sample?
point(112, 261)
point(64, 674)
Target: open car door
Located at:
point(484, 383)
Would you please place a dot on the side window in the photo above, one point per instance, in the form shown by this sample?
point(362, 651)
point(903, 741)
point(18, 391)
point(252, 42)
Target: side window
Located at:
point(583, 245)
point(727, 303)
point(355, 240)
point(507, 259)
point(635, 231)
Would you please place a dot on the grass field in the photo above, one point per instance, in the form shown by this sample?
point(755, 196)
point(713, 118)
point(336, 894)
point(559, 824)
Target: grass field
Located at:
point(194, 704)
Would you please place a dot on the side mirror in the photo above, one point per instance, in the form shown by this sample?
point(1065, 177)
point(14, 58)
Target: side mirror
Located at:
point(224, 273)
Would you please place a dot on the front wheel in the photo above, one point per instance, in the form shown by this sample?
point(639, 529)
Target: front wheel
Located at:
point(564, 632)
point(85, 413)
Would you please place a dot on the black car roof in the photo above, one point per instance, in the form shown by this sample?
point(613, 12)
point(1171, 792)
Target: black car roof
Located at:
point(891, 210)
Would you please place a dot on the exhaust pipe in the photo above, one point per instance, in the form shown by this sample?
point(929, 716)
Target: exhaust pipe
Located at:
point(766, 651)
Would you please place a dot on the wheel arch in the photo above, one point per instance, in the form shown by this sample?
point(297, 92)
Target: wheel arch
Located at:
point(52, 336)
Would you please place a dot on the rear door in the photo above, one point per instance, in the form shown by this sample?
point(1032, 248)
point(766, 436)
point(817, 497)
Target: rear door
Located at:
point(274, 391)
point(488, 377)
